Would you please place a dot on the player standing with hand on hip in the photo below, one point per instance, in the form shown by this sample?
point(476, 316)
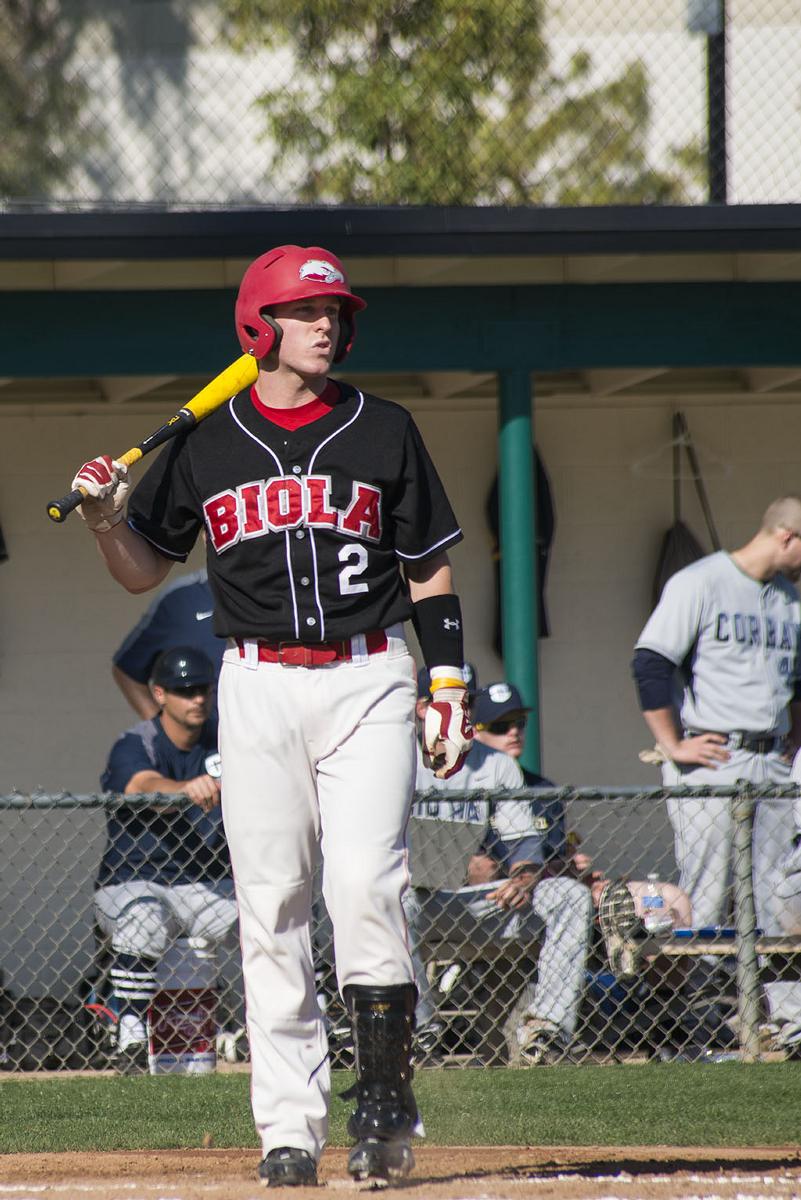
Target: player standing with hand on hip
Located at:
point(327, 527)
point(730, 622)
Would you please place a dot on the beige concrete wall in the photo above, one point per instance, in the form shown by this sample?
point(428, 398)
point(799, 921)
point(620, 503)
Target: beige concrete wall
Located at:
point(610, 473)
point(61, 615)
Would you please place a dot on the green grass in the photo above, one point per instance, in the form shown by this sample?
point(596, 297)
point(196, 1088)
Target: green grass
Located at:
point(730, 1104)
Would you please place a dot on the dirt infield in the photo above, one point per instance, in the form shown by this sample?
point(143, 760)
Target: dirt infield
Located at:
point(452, 1173)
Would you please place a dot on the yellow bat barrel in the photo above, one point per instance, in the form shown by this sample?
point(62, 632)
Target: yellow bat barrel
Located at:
point(241, 374)
point(233, 379)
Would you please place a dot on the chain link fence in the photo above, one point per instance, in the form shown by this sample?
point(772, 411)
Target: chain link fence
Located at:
point(589, 968)
point(410, 102)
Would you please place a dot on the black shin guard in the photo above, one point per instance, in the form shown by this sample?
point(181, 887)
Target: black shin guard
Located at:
point(383, 1022)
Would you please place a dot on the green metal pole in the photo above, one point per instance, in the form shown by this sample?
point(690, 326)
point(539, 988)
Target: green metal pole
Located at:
point(518, 535)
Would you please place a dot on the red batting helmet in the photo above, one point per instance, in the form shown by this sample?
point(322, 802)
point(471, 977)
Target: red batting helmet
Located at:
point(291, 273)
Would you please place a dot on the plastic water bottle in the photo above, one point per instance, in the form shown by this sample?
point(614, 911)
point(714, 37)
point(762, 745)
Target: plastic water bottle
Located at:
point(655, 916)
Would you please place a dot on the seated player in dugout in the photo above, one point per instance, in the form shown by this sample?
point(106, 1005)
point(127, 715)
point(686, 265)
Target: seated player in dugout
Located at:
point(515, 885)
point(540, 865)
point(328, 528)
point(165, 872)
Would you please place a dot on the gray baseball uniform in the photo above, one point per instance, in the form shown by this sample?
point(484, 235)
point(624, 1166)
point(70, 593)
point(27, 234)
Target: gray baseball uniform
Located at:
point(736, 641)
point(561, 908)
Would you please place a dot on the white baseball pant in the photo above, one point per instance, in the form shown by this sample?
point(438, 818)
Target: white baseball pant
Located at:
point(142, 917)
point(314, 758)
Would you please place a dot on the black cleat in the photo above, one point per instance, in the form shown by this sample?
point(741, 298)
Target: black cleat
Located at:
point(132, 1060)
point(288, 1167)
point(376, 1160)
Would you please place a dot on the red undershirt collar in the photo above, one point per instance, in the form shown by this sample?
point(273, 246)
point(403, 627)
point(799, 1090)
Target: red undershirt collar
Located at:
point(294, 418)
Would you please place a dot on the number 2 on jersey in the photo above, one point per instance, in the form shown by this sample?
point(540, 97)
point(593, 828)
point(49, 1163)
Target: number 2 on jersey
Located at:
point(356, 557)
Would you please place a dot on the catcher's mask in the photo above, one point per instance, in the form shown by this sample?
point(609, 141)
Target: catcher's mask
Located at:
point(291, 273)
point(183, 666)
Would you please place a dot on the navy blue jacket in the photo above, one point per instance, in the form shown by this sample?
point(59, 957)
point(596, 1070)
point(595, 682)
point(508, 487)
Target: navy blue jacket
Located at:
point(186, 846)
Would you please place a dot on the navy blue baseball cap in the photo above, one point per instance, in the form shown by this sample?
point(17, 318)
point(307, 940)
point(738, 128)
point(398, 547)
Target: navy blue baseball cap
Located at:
point(496, 701)
point(424, 681)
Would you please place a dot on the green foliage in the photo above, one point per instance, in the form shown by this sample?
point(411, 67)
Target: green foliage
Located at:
point(730, 1104)
point(439, 102)
point(40, 98)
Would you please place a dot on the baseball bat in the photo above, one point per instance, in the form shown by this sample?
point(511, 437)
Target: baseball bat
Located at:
point(222, 387)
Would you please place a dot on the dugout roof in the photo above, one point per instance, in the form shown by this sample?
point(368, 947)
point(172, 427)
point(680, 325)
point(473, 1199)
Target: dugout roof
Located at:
point(594, 301)
point(403, 231)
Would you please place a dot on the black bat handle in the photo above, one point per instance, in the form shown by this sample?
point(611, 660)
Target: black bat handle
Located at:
point(184, 419)
point(59, 510)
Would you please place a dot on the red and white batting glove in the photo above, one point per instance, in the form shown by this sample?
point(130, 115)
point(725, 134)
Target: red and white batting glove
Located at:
point(107, 484)
point(447, 732)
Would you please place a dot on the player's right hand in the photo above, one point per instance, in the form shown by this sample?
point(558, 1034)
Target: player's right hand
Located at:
point(703, 750)
point(106, 483)
point(203, 791)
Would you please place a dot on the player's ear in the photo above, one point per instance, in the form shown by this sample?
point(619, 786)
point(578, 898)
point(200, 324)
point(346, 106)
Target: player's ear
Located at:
point(783, 539)
point(277, 331)
point(159, 695)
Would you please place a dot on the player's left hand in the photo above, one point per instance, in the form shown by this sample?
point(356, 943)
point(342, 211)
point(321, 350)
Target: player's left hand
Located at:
point(447, 732)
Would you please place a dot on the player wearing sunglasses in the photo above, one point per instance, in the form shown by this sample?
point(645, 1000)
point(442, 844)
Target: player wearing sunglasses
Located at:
point(514, 887)
point(499, 721)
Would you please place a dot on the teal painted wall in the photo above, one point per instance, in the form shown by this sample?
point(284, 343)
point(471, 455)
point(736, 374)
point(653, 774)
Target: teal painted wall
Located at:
point(551, 327)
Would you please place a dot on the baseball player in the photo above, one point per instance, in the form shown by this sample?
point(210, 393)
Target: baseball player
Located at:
point(164, 873)
point(180, 615)
point(515, 891)
point(327, 528)
point(730, 623)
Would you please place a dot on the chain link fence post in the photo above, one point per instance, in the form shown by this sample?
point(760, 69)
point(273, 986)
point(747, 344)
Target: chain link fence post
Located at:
point(743, 806)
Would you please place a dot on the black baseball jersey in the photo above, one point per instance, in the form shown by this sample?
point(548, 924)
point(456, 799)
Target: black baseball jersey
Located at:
point(304, 526)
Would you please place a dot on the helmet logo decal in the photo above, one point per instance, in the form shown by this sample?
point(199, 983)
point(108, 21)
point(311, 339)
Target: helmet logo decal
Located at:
point(320, 271)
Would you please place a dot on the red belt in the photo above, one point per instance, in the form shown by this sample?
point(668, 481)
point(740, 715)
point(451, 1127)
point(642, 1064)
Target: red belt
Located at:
point(297, 654)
